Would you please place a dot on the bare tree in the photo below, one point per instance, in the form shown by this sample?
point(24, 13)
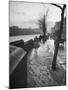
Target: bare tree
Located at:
point(43, 24)
point(59, 35)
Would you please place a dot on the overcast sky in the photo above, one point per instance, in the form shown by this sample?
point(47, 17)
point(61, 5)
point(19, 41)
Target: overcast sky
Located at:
point(24, 14)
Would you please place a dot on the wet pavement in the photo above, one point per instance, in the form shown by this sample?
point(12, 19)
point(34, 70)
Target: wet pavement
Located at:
point(39, 61)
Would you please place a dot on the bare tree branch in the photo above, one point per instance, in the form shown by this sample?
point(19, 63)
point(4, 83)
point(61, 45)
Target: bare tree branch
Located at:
point(46, 15)
point(57, 6)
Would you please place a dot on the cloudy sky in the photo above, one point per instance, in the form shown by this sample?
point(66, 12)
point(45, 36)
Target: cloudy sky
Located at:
point(24, 14)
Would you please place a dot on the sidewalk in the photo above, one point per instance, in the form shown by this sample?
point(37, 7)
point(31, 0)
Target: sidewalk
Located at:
point(39, 72)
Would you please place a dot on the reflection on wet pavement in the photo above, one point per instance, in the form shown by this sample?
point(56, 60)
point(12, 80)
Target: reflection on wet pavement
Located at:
point(39, 60)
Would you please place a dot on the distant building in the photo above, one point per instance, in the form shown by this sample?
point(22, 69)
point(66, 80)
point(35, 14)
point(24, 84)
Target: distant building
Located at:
point(56, 28)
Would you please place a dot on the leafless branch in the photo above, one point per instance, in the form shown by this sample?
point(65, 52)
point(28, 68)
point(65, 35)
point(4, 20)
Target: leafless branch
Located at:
point(47, 13)
point(57, 6)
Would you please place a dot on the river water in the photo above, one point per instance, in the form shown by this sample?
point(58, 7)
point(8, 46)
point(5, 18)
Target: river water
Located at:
point(24, 37)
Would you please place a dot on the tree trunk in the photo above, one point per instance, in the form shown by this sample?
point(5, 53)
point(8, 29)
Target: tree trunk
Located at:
point(58, 39)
